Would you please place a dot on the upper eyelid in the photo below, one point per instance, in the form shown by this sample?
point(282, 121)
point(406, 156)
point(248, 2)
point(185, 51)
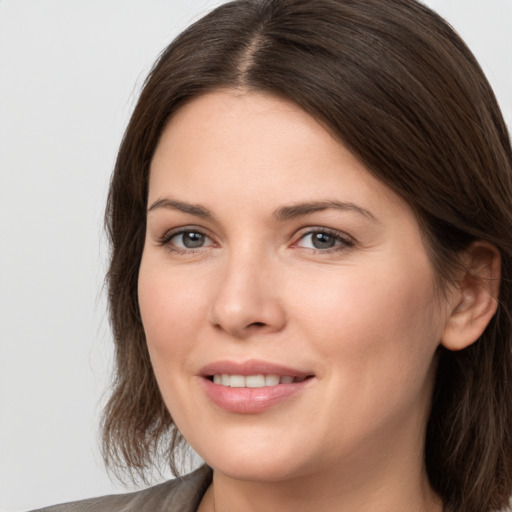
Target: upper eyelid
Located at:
point(329, 231)
point(184, 229)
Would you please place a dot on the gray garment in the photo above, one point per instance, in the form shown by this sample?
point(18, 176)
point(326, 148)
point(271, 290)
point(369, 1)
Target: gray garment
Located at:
point(179, 495)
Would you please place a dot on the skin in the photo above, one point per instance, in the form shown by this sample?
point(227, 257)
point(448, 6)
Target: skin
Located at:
point(362, 316)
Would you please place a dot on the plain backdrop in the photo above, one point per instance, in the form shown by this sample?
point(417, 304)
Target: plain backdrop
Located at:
point(70, 72)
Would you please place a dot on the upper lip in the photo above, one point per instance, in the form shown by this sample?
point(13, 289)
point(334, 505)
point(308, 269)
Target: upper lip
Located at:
point(251, 367)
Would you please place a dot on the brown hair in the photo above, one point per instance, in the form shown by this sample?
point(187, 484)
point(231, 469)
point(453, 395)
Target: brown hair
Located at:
point(394, 83)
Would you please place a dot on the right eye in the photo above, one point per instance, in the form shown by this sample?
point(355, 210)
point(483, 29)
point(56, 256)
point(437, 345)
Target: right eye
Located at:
point(186, 240)
point(189, 239)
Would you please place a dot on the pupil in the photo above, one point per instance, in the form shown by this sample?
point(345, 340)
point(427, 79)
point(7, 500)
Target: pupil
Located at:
point(322, 241)
point(193, 240)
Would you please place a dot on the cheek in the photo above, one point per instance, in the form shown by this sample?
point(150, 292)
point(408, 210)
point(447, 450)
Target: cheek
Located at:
point(378, 319)
point(171, 306)
point(376, 336)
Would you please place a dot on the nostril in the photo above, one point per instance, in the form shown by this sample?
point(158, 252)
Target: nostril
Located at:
point(257, 324)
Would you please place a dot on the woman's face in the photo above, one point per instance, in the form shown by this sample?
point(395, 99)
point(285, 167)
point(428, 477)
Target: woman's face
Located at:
point(287, 298)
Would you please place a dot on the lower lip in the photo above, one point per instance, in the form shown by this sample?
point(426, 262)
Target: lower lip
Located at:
point(251, 400)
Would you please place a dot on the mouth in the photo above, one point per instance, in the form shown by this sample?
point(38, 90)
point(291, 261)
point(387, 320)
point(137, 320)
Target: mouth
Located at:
point(253, 386)
point(252, 374)
point(254, 381)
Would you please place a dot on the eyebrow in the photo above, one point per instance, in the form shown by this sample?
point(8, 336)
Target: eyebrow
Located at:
point(283, 213)
point(301, 209)
point(192, 209)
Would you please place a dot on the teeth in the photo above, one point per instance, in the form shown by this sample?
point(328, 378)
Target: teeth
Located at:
point(254, 381)
point(271, 380)
point(237, 381)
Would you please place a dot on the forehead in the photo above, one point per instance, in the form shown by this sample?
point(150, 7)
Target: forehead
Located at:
point(256, 148)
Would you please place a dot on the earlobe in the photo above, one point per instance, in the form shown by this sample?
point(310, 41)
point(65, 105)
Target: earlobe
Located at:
point(475, 299)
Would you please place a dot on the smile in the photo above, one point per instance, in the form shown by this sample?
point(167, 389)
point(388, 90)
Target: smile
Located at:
point(253, 386)
point(253, 381)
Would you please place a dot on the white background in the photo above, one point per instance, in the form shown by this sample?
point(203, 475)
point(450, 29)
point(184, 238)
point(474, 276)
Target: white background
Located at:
point(70, 72)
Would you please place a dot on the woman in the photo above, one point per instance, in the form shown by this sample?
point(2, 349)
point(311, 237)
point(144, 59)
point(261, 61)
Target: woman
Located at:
point(310, 277)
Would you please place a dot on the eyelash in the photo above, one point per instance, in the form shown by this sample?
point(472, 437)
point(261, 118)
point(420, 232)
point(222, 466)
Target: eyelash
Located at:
point(165, 240)
point(342, 241)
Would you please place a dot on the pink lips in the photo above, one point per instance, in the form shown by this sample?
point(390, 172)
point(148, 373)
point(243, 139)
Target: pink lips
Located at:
point(251, 400)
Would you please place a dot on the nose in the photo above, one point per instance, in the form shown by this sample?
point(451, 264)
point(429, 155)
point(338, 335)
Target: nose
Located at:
point(247, 301)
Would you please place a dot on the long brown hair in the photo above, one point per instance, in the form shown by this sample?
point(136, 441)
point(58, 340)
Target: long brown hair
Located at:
point(394, 83)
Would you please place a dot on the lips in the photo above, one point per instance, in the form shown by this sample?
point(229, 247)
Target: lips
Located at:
point(251, 386)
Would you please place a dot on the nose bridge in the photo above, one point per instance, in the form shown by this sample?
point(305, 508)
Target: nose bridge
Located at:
point(247, 297)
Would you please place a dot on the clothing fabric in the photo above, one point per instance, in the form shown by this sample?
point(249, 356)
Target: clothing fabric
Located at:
point(179, 495)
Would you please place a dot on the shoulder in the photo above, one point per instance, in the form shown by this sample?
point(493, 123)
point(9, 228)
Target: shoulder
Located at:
point(179, 495)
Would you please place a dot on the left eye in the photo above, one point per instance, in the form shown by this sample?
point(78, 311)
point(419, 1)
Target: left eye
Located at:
point(323, 240)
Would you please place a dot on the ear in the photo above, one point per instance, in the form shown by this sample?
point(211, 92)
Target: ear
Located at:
point(475, 296)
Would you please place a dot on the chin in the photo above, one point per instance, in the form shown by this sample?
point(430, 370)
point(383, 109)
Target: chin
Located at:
point(256, 469)
point(257, 458)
